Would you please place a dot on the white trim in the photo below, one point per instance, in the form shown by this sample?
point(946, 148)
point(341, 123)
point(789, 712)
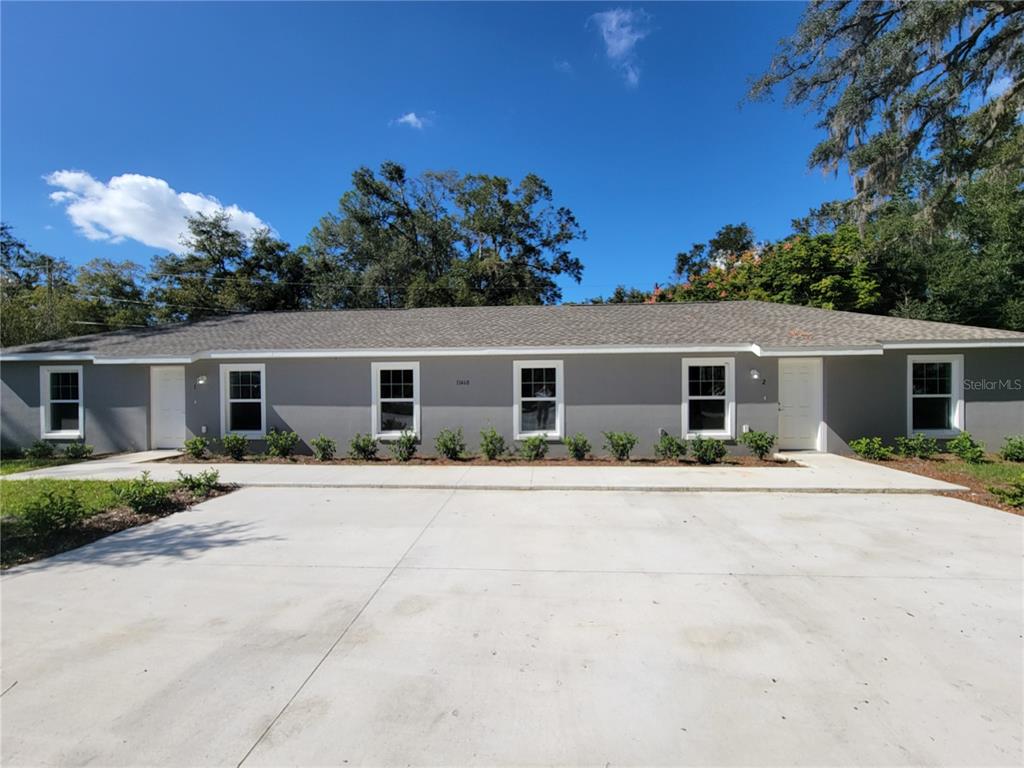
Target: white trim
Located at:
point(44, 403)
point(375, 369)
point(819, 436)
point(517, 399)
point(729, 432)
point(618, 349)
point(956, 394)
point(226, 369)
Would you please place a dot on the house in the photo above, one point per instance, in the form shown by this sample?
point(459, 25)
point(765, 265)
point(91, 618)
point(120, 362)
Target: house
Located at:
point(815, 377)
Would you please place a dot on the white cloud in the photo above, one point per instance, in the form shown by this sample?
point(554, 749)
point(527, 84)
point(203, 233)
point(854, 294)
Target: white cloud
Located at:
point(142, 208)
point(622, 29)
point(413, 120)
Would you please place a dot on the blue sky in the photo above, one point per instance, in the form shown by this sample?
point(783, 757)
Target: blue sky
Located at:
point(633, 117)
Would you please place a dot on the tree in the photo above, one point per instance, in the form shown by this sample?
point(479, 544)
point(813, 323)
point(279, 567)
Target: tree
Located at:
point(110, 296)
point(441, 240)
point(925, 93)
point(222, 272)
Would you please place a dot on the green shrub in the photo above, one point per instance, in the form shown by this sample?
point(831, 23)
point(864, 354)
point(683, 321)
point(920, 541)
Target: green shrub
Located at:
point(53, 512)
point(492, 444)
point(669, 447)
point(404, 447)
point(620, 444)
point(363, 447)
point(324, 447)
point(281, 444)
point(235, 446)
point(917, 446)
point(759, 443)
point(966, 448)
point(200, 484)
point(533, 448)
point(143, 494)
point(450, 444)
point(871, 448)
point(40, 449)
point(1013, 494)
point(578, 446)
point(1013, 448)
point(708, 450)
point(77, 451)
point(196, 446)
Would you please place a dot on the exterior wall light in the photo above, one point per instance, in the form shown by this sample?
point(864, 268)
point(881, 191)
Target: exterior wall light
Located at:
point(200, 380)
point(755, 374)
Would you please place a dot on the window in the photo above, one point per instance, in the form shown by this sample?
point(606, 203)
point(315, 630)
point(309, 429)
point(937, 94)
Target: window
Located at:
point(709, 397)
point(243, 399)
point(396, 399)
point(538, 398)
point(62, 411)
point(935, 398)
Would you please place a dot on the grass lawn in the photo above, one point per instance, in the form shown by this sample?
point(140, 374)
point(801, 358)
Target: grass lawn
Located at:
point(995, 473)
point(10, 466)
point(978, 478)
point(16, 495)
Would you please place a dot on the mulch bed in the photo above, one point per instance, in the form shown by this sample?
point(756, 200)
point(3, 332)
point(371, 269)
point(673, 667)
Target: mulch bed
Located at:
point(20, 547)
point(477, 461)
point(945, 468)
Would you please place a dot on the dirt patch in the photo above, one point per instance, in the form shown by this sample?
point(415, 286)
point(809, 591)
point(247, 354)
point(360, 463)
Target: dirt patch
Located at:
point(477, 461)
point(22, 547)
point(952, 470)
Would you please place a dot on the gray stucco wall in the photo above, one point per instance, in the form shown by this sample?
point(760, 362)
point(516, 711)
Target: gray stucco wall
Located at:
point(864, 395)
point(116, 406)
point(867, 396)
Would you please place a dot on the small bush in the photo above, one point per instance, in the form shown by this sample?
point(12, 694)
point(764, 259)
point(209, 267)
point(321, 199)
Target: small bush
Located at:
point(143, 494)
point(197, 446)
point(966, 448)
point(77, 451)
point(450, 444)
point(1013, 448)
point(871, 448)
point(404, 447)
point(533, 448)
point(578, 446)
point(281, 444)
point(492, 444)
point(1013, 494)
point(363, 447)
point(324, 447)
point(235, 446)
point(669, 447)
point(40, 449)
point(54, 512)
point(200, 484)
point(917, 446)
point(620, 444)
point(708, 450)
point(759, 443)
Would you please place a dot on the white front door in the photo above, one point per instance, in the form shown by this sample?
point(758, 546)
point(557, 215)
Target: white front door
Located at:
point(167, 405)
point(800, 403)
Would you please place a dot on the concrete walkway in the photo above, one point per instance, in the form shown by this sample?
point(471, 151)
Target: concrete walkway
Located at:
point(821, 473)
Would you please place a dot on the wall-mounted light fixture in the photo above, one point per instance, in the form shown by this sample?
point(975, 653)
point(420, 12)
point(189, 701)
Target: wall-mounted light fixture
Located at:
point(199, 381)
point(755, 374)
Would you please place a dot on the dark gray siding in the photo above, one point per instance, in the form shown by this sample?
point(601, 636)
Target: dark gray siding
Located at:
point(867, 396)
point(116, 406)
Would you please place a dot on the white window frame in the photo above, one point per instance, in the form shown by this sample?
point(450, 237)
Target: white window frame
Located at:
point(375, 369)
point(956, 394)
point(45, 401)
point(517, 401)
point(729, 432)
point(225, 391)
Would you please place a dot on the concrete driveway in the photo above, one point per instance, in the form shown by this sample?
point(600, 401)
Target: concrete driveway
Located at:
point(329, 626)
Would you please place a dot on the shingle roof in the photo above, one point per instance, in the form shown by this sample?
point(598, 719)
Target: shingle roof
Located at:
point(768, 325)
